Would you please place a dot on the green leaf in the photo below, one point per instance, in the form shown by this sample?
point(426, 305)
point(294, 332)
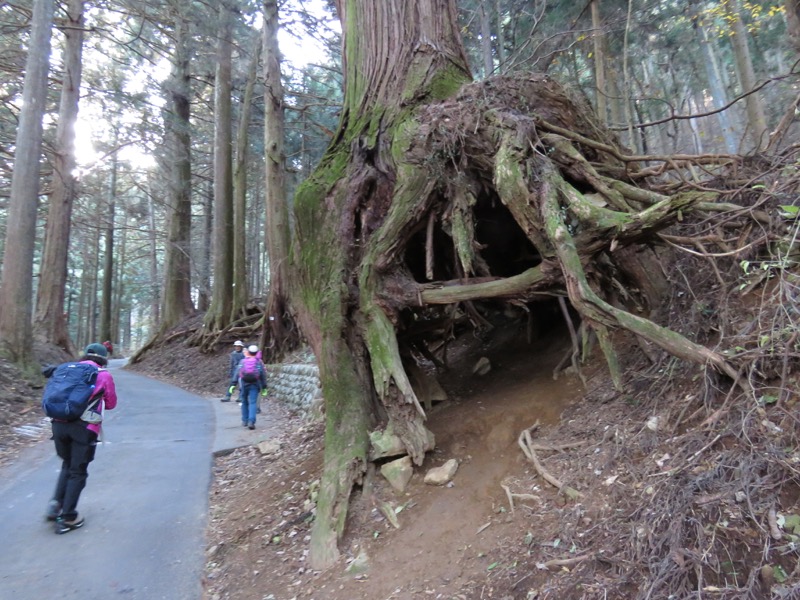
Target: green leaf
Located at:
point(792, 522)
point(492, 566)
point(790, 209)
point(780, 574)
point(769, 399)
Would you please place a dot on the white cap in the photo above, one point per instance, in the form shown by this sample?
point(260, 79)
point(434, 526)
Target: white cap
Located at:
point(252, 349)
point(238, 343)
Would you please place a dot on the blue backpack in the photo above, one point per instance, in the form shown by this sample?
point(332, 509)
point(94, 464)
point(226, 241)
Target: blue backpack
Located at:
point(69, 391)
point(249, 369)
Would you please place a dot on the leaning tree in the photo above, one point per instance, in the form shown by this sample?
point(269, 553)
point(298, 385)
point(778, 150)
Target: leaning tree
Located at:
point(438, 198)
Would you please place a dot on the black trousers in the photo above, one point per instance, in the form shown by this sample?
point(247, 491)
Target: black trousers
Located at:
point(75, 446)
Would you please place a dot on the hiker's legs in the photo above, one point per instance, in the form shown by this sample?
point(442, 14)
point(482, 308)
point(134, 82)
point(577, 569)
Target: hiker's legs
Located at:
point(76, 446)
point(250, 402)
point(243, 405)
point(63, 443)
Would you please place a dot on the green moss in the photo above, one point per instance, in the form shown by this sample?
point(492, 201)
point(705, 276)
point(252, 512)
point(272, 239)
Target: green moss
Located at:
point(447, 82)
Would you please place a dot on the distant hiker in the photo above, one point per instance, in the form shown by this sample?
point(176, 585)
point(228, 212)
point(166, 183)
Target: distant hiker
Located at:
point(76, 438)
point(236, 357)
point(109, 346)
point(252, 380)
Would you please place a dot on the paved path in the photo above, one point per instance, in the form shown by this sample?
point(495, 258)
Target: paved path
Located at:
point(145, 503)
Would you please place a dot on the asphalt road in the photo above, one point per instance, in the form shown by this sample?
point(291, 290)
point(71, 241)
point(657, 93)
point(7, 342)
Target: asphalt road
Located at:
point(145, 505)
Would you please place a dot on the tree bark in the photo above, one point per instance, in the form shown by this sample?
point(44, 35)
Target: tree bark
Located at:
point(486, 40)
point(757, 120)
point(241, 291)
point(598, 37)
point(177, 298)
point(50, 323)
point(716, 87)
point(107, 299)
point(219, 314)
point(280, 333)
point(16, 287)
point(792, 12)
point(395, 53)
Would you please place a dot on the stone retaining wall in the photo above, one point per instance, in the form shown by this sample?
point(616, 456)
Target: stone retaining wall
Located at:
point(295, 384)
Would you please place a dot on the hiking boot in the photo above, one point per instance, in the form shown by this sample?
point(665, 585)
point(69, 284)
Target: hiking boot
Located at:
point(63, 526)
point(251, 425)
point(224, 399)
point(53, 510)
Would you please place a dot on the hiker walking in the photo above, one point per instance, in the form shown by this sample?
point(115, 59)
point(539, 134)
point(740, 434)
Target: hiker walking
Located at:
point(252, 380)
point(236, 357)
point(76, 439)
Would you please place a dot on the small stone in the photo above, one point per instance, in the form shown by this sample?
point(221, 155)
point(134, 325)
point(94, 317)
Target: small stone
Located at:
point(268, 447)
point(442, 475)
point(482, 367)
point(398, 473)
point(653, 423)
point(359, 565)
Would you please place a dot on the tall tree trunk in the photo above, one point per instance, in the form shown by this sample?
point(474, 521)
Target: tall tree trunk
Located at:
point(155, 288)
point(501, 38)
point(718, 95)
point(757, 120)
point(422, 60)
point(599, 37)
point(50, 322)
point(279, 333)
point(16, 286)
point(792, 13)
point(486, 40)
point(219, 313)
point(204, 285)
point(177, 298)
point(107, 299)
point(241, 294)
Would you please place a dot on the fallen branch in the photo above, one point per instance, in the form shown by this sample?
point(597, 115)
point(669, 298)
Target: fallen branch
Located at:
point(526, 443)
point(558, 563)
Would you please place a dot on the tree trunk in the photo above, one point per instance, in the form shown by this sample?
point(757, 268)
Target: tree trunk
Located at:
point(757, 121)
point(718, 95)
point(177, 298)
point(501, 38)
point(792, 13)
point(280, 333)
point(598, 36)
point(486, 40)
point(422, 59)
point(241, 294)
point(16, 287)
point(155, 288)
point(50, 323)
point(219, 313)
point(107, 299)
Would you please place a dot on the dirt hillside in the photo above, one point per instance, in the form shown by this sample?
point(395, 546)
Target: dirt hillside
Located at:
point(652, 486)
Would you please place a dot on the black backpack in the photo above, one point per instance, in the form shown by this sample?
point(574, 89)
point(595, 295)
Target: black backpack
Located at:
point(69, 391)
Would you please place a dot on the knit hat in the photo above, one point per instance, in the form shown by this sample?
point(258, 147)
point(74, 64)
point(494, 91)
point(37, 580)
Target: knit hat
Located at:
point(96, 350)
point(252, 349)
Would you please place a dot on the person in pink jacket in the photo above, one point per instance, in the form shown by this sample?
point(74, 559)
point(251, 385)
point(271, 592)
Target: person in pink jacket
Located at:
point(76, 442)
